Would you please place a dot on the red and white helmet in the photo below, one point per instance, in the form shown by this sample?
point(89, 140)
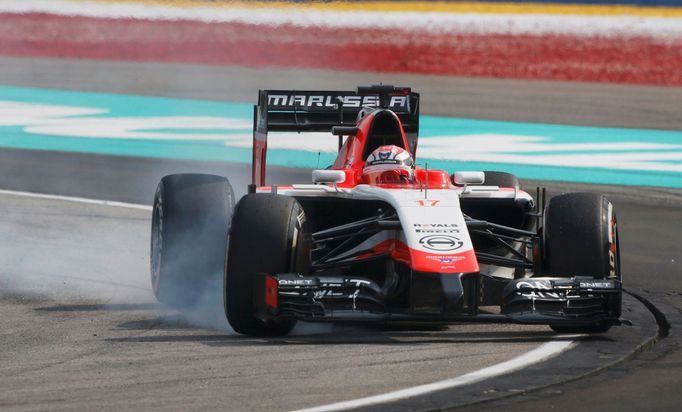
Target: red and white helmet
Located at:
point(389, 164)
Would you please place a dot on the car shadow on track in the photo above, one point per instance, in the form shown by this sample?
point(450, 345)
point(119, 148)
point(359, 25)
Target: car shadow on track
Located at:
point(206, 329)
point(175, 329)
point(93, 307)
point(423, 338)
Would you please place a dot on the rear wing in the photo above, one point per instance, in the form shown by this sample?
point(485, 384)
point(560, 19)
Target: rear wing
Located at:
point(319, 111)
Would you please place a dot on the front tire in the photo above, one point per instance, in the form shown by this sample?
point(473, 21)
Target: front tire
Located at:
point(190, 221)
point(267, 236)
point(581, 239)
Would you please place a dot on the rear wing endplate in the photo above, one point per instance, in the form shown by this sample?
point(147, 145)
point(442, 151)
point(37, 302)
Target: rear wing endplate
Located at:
point(319, 111)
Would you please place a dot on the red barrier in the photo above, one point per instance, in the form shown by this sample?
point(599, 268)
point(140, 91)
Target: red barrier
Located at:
point(557, 57)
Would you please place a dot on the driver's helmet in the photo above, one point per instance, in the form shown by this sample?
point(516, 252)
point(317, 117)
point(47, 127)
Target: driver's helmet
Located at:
point(389, 164)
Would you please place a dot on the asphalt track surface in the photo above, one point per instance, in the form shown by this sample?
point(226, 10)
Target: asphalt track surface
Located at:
point(85, 332)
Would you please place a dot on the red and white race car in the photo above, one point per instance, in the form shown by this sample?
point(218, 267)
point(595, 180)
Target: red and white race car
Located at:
point(375, 238)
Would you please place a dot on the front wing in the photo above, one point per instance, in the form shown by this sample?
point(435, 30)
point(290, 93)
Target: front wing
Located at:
point(565, 302)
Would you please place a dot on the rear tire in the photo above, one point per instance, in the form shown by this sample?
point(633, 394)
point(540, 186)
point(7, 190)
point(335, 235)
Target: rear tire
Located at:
point(581, 239)
point(190, 221)
point(501, 179)
point(267, 236)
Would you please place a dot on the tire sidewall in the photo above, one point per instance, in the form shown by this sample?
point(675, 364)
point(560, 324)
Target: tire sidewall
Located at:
point(281, 250)
point(156, 247)
point(190, 219)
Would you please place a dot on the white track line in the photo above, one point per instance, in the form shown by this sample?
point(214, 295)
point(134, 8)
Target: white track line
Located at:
point(543, 352)
point(76, 199)
point(485, 23)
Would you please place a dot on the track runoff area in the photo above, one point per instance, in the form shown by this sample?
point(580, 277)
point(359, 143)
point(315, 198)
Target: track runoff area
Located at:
point(621, 43)
point(128, 125)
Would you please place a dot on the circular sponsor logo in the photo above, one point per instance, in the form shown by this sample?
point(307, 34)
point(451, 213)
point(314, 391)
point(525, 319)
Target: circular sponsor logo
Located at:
point(441, 243)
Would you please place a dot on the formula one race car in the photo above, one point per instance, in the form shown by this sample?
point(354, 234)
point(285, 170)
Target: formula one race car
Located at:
point(375, 238)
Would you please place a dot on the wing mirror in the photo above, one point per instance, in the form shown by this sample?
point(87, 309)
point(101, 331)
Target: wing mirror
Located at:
point(329, 176)
point(344, 130)
point(468, 178)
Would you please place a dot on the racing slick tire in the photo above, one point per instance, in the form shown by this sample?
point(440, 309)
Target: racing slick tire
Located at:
point(581, 239)
point(501, 179)
point(190, 221)
point(267, 236)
